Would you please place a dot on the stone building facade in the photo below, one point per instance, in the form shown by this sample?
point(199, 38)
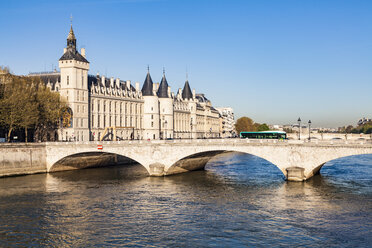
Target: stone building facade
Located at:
point(103, 108)
point(227, 122)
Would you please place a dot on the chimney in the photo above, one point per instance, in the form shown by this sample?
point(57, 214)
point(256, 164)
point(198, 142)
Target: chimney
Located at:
point(137, 86)
point(180, 91)
point(193, 93)
point(82, 51)
point(112, 82)
point(128, 84)
point(64, 50)
point(103, 80)
point(169, 91)
point(118, 83)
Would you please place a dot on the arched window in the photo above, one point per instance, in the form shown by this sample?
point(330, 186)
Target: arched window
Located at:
point(67, 118)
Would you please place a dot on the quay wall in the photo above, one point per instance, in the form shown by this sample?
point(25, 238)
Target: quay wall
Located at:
point(21, 158)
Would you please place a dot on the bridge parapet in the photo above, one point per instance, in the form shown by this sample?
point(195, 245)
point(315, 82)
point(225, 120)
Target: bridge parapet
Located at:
point(217, 141)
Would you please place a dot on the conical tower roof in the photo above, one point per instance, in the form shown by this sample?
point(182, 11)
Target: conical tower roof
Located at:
point(163, 88)
point(186, 92)
point(71, 35)
point(147, 86)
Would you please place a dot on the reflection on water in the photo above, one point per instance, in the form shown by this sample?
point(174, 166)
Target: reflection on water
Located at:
point(240, 200)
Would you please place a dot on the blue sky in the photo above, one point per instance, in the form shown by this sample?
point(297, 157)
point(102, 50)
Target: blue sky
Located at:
point(273, 61)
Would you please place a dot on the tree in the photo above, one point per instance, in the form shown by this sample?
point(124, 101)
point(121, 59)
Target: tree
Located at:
point(11, 104)
point(263, 127)
point(26, 103)
point(49, 107)
point(244, 124)
point(348, 129)
point(29, 112)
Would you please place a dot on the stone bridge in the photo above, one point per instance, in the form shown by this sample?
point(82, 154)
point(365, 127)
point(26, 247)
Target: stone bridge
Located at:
point(298, 160)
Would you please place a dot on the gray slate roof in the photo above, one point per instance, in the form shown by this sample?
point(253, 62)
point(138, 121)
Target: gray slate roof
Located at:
point(73, 55)
point(147, 86)
point(97, 81)
point(163, 88)
point(52, 79)
point(186, 92)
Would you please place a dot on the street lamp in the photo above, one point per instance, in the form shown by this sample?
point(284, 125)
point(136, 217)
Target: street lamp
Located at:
point(309, 128)
point(191, 129)
point(299, 128)
point(165, 127)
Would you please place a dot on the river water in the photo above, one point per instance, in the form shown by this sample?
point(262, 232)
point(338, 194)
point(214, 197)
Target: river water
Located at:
point(238, 201)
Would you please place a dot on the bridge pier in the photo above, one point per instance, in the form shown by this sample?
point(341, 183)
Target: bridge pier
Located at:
point(157, 170)
point(296, 174)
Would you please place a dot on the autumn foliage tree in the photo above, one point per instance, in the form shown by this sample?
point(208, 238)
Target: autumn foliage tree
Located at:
point(26, 103)
point(244, 124)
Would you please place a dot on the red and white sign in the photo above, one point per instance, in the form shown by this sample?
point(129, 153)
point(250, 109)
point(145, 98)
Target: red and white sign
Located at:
point(99, 147)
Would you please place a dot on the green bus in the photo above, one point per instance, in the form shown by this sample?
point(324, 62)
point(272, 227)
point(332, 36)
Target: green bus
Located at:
point(264, 135)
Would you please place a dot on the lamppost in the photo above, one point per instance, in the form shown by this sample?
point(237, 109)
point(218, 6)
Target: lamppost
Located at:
point(191, 129)
point(165, 128)
point(309, 129)
point(299, 128)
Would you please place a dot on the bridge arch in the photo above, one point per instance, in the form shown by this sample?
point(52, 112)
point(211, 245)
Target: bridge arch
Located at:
point(198, 160)
point(90, 159)
point(318, 168)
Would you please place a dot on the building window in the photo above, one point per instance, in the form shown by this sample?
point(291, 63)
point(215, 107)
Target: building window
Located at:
point(82, 122)
point(77, 95)
point(98, 105)
point(92, 120)
point(104, 106)
point(78, 108)
point(152, 117)
point(68, 80)
point(152, 124)
point(98, 121)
